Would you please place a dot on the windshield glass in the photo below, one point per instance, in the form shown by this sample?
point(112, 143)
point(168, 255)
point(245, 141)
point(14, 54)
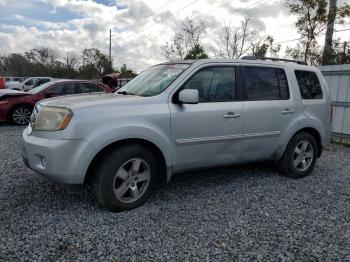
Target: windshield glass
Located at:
point(153, 80)
point(40, 88)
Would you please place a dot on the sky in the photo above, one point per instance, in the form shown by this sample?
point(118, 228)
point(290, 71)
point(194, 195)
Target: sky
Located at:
point(139, 27)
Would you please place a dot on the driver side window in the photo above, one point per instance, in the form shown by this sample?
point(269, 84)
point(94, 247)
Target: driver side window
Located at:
point(214, 84)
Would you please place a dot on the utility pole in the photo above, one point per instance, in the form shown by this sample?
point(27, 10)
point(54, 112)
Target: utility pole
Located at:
point(327, 51)
point(110, 46)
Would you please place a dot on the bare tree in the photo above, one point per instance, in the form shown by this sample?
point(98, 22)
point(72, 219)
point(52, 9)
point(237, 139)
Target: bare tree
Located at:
point(234, 42)
point(187, 43)
point(44, 55)
point(71, 60)
point(194, 31)
point(176, 49)
point(94, 57)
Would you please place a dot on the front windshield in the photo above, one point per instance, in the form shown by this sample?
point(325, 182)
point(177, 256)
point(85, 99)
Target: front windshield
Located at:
point(154, 80)
point(40, 88)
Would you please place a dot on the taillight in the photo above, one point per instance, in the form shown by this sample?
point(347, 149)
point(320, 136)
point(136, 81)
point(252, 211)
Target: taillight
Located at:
point(331, 116)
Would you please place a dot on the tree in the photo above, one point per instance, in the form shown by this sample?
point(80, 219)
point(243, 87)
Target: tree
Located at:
point(17, 64)
point(234, 42)
point(194, 31)
point(187, 42)
point(44, 55)
point(71, 60)
point(340, 52)
point(261, 48)
point(126, 72)
point(311, 23)
point(196, 53)
point(97, 59)
point(45, 61)
point(176, 48)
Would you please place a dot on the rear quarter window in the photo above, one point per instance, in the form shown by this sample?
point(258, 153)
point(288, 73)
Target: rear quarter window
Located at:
point(309, 85)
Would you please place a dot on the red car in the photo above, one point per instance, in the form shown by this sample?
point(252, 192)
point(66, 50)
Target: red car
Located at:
point(17, 106)
point(2, 82)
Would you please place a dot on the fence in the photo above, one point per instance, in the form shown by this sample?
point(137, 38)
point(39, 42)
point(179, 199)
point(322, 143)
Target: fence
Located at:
point(338, 80)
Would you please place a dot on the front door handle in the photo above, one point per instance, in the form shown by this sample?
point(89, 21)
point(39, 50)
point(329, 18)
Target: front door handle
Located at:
point(288, 111)
point(230, 115)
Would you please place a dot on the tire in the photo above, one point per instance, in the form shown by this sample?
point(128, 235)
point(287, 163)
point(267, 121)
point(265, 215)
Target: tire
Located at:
point(300, 156)
point(20, 115)
point(125, 178)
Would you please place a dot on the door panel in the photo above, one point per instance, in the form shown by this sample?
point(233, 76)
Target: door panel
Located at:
point(263, 125)
point(268, 112)
point(208, 133)
point(203, 136)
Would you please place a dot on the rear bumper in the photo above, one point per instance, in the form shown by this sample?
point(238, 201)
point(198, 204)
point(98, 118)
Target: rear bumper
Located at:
point(64, 161)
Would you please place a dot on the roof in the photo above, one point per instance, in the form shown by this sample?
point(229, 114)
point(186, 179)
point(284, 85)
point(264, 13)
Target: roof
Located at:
point(285, 64)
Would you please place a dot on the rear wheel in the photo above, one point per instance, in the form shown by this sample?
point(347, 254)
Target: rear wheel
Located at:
point(125, 178)
point(300, 156)
point(20, 115)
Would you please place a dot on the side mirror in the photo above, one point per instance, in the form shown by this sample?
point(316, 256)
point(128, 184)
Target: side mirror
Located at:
point(189, 96)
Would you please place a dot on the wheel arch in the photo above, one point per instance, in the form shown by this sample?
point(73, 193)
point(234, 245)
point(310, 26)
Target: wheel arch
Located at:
point(308, 129)
point(164, 172)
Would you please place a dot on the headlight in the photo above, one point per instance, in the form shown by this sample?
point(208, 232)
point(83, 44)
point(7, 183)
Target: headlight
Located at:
point(53, 119)
point(3, 102)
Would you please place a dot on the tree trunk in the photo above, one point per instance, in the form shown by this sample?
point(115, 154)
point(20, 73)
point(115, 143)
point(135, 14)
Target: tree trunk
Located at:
point(327, 51)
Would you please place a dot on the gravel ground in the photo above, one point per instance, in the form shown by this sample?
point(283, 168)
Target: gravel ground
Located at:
point(242, 213)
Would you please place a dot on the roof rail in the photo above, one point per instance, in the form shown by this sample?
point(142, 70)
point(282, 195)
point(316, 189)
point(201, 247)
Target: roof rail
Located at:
point(272, 59)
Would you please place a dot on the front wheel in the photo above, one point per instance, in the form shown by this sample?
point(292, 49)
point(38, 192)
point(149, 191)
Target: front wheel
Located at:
point(300, 156)
point(21, 115)
point(125, 178)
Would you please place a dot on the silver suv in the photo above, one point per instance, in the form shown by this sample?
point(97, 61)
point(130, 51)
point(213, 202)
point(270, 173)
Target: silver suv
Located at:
point(180, 116)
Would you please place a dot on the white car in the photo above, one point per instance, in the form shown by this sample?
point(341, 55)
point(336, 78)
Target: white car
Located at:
point(15, 79)
point(29, 83)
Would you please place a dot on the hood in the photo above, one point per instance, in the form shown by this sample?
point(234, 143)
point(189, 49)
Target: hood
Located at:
point(79, 101)
point(12, 93)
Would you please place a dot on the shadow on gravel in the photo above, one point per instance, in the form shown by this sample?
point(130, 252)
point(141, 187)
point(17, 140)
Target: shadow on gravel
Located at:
point(39, 191)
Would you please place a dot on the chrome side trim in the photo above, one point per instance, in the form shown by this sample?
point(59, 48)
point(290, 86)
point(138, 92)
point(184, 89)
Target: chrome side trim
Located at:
point(262, 134)
point(205, 140)
point(215, 139)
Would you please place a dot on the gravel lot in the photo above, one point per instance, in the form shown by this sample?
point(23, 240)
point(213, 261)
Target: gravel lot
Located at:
point(242, 213)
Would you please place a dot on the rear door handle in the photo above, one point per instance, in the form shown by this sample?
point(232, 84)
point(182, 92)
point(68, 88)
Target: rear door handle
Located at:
point(288, 111)
point(231, 115)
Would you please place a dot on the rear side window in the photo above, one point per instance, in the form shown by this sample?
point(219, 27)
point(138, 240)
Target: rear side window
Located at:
point(264, 83)
point(89, 88)
point(63, 89)
point(214, 84)
point(309, 85)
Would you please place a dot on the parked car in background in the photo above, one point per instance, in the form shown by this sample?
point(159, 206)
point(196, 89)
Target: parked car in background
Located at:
point(29, 83)
point(16, 106)
point(15, 79)
point(2, 82)
point(180, 116)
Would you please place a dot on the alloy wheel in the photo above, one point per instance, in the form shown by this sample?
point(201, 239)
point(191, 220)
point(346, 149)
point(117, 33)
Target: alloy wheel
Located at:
point(21, 115)
point(131, 180)
point(303, 155)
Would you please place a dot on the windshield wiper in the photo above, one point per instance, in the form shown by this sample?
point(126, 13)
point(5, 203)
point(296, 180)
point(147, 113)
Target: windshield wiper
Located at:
point(125, 93)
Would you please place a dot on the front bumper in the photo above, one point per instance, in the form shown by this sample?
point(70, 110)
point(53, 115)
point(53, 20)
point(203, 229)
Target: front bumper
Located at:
point(64, 161)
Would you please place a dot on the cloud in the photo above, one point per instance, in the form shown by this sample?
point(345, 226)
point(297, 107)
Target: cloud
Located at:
point(4, 2)
point(139, 27)
point(269, 9)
